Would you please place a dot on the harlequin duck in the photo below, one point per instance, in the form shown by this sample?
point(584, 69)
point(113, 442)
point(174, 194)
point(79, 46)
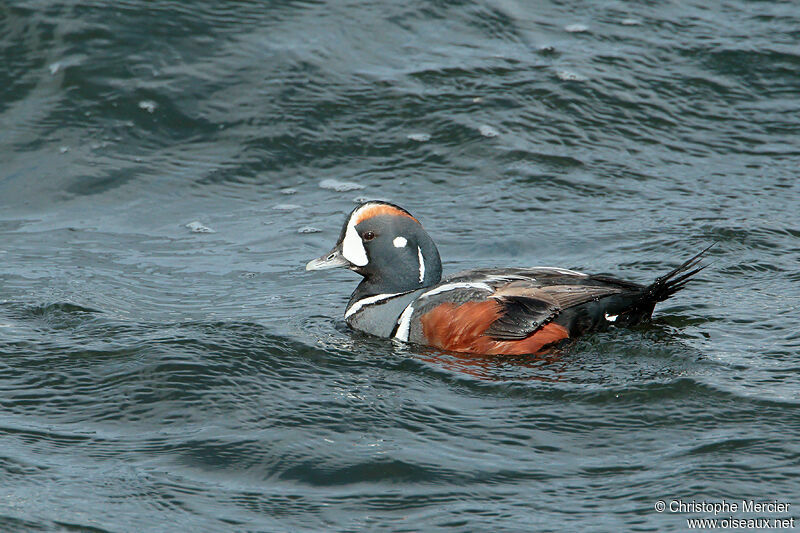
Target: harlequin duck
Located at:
point(489, 311)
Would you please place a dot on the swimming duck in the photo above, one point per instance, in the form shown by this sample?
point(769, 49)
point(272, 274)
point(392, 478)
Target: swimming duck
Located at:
point(487, 310)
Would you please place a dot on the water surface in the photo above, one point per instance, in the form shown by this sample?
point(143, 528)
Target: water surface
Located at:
point(167, 169)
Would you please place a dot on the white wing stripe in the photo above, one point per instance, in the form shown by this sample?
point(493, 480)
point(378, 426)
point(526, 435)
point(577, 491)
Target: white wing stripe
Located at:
point(453, 286)
point(560, 270)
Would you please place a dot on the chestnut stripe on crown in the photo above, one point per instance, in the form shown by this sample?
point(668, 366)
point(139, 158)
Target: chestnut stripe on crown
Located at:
point(369, 211)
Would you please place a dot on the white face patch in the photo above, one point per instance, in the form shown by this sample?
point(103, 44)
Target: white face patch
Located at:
point(399, 242)
point(421, 264)
point(611, 318)
point(352, 248)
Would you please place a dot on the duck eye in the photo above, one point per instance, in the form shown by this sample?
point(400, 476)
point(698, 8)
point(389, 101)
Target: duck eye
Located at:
point(368, 235)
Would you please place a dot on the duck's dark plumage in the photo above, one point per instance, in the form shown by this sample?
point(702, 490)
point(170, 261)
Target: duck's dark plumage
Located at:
point(494, 311)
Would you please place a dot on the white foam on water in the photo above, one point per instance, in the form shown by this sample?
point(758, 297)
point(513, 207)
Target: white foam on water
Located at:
point(198, 227)
point(419, 137)
point(285, 207)
point(308, 229)
point(576, 28)
point(566, 75)
point(488, 131)
point(340, 186)
point(148, 105)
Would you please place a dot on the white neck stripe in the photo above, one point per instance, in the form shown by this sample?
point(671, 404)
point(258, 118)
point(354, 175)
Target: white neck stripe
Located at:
point(421, 264)
point(357, 305)
point(404, 323)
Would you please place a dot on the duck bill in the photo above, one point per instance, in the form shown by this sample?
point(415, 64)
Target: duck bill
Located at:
point(334, 259)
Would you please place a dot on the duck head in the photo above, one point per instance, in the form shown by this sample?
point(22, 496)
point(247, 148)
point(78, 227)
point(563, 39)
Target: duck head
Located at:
point(388, 247)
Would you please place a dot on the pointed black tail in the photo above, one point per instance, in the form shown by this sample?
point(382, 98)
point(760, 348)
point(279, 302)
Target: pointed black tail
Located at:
point(670, 283)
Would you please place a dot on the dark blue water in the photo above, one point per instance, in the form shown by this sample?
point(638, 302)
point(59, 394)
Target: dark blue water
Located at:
point(167, 168)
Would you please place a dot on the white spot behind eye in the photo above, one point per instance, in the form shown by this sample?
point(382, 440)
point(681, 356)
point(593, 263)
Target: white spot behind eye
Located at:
point(611, 318)
point(399, 242)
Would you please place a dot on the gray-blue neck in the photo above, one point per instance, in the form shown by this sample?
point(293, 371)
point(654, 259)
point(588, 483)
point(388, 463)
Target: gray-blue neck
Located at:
point(415, 267)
